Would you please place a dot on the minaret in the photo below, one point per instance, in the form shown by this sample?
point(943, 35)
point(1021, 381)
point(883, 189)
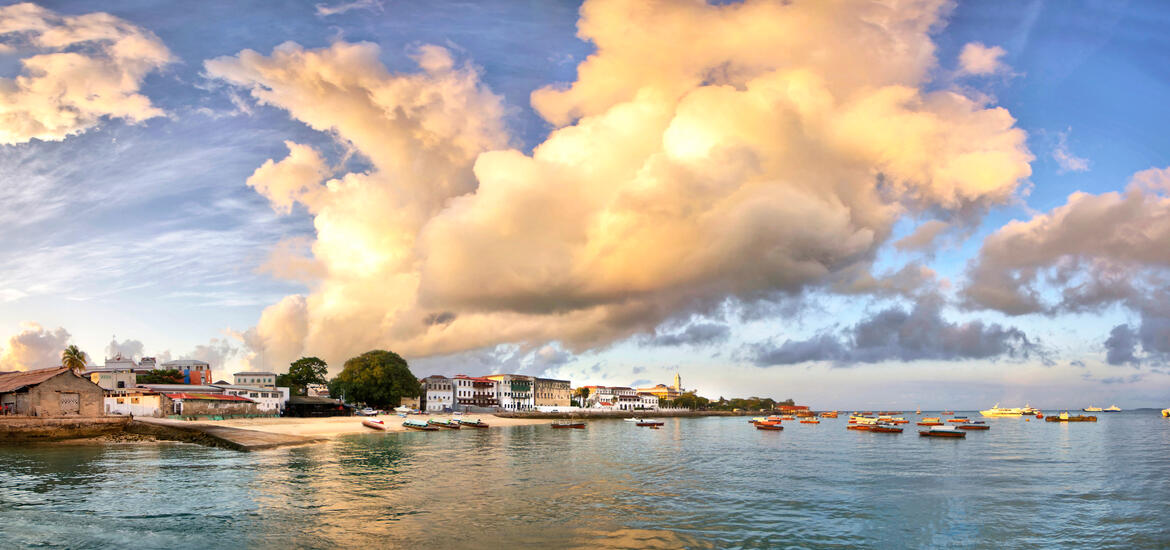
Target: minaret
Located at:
point(677, 382)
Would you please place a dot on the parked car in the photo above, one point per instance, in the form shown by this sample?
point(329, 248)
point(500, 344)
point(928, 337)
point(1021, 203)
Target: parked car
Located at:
point(369, 412)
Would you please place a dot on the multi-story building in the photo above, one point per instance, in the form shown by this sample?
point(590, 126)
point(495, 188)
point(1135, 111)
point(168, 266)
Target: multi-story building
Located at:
point(438, 393)
point(619, 398)
point(113, 379)
point(252, 378)
point(473, 391)
point(267, 399)
point(194, 371)
point(515, 391)
point(548, 392)
point(662, 391)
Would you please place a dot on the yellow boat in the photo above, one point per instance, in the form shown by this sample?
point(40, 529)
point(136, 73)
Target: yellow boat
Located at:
point(1166, 413)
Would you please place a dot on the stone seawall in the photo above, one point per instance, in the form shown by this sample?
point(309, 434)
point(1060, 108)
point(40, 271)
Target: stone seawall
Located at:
point(591, 413)
point(26, 429)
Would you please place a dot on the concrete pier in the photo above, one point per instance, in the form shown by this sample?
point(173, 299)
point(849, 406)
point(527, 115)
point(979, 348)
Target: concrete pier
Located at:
point(213, 435)
point(27, 429)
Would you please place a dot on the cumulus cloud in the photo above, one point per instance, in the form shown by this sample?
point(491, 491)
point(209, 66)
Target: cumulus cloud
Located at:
point(216, 352)
point(712, 135)
point(980, 60)
point(698, 333)
point(34, 347)
point(923, 237)
point(128, 349)
point(1121, 346)
point(896, 334)
point(81, 70)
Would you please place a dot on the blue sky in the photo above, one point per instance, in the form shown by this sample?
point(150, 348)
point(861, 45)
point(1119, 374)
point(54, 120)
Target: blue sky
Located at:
point(147, 231)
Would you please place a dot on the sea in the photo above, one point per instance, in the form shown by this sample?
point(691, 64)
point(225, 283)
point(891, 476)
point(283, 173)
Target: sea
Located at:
point(712, 482)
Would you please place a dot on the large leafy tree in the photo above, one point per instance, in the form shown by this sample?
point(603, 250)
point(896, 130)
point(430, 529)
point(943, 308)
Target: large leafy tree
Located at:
point(161, 376)
point(73, 358)
point(301, 373)
point(377, 378)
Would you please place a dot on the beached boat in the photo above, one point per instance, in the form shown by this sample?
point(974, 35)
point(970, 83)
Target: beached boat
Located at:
point(942, 431)
point(1092, 409)
point(1065, 417)
point(772, 426)
point(1112, 409)
point(419, 425)
point(472, 422)
point(565, 424)
point(374, 424)
point(886, 428)
point(450, 424)
point(930, 421)
point(1002, 411)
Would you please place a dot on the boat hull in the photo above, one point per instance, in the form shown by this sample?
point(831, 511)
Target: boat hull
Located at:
point(374, 425)
point(928, 433)
point(974, 427)
point(1078, 418)
point(577, 426)
point(769, 427)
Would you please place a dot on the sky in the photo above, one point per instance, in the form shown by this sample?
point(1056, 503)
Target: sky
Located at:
point(913, 203)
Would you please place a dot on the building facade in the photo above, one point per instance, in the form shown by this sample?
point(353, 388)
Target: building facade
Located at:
point(438, 392)
point(113, 379)
point(51, 392)
point(515, 391)
point(549, 392)
point(471, 391)
point(194, 371)
point(208, 404)
point(256, 379)
point(135, 403)
point(268, 400)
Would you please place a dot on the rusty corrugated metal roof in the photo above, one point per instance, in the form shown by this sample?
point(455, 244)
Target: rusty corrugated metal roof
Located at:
point(207, 397)
point(12, 381)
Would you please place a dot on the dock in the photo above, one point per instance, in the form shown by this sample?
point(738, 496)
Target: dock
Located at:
point(215, 436)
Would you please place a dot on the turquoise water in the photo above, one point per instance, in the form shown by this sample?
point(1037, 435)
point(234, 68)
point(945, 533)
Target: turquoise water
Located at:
point(699, 483)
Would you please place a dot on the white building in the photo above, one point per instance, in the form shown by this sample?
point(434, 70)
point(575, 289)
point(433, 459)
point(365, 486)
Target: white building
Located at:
point(515, 391)
point(617, 398)
point(649, 401)
point(256, 378)
point(267, 399)
point(113, 379)
point(134, 402)
point(439, 392)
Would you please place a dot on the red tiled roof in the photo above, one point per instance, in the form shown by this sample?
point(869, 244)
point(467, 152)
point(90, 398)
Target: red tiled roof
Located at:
point(207, 397)
point(13, 381)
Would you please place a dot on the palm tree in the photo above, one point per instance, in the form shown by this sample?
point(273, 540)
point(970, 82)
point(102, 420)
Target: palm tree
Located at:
point(73, 358)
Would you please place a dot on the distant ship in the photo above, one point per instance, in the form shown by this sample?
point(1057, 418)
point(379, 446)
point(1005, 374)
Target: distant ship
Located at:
point(997, 411)
point(1092, 409)
point(1112, 409)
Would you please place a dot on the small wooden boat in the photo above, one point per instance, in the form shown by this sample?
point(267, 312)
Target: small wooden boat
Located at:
point(374, 424)
point(773, 426)
point(810, 421)
point(930, 421)
point(885, 428)
point(1065, 417)
point(958, 420)
point(974, 426)
point(829, 414)
point(568, 424)
point(472, 423)
point(860, 427)
point(942, 431)
point(787, 417)
point(650, 423)
point(419, 425)
point(655, 427)
point(948, 412)
point(449, 424)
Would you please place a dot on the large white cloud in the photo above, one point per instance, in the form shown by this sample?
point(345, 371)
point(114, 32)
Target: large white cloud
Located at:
point(81, 69)
point(703, 152)
point(34, 347)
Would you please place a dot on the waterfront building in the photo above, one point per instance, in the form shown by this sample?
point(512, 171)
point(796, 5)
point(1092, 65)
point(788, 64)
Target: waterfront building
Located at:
point(662, 391)
point(56, 391)
point(616, 398)
point(112, 379)
point(548, 392)
point(515, 391)
point(649, 401)
point(438, 393)
point(194, 371)
point(267, 399)
point(470, 391)
point(135, 402)
point(207, 404)
point(261, 379)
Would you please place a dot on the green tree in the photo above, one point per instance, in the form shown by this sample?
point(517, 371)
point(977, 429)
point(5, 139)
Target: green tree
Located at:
point(376, 378)
point(73, 358)
point(301, 373)
point(161, 376)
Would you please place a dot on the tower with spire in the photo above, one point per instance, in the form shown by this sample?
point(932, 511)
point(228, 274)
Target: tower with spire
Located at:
point(677, 381)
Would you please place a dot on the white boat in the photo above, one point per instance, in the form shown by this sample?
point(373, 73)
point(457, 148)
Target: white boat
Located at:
point(1112, 409)
point(1030, 410)
point(1092, 409)
point(635, 419)
point(1001, 411)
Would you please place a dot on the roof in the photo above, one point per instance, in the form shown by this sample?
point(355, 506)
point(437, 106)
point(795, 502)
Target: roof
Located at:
point(208, 397)
point(253, 373)
point(180, 388)
point(13, 381)
point(243, 387)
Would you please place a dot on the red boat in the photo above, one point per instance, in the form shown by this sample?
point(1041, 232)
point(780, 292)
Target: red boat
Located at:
point(935, 432)
point(886, 428)
point(860, 427)
point(974, 427)
point(930, 423)
point(574, 425)
point(650, 423)
point(774, 426)
point(810, 421)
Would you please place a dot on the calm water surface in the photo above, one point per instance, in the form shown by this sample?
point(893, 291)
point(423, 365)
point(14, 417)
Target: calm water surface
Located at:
point(703, 482)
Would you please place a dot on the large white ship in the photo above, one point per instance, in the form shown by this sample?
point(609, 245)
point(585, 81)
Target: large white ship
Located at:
point(1001, 411)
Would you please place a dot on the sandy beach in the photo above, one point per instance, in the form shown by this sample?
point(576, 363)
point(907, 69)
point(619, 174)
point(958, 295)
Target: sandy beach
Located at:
point(341, 425)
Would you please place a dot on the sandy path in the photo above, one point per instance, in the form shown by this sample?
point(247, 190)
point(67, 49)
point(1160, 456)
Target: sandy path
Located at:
point(340, 425)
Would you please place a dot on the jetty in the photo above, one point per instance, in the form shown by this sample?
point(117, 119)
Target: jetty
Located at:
point(214, 436)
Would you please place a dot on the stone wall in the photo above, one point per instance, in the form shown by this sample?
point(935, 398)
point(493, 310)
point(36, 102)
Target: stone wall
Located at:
point(45, 399)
